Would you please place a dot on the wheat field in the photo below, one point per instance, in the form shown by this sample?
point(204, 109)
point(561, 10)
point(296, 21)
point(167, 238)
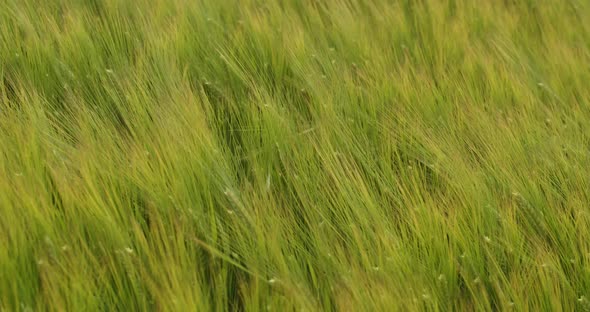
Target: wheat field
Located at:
point(294, 155)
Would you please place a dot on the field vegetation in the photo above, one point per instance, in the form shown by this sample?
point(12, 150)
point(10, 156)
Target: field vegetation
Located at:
point(294, 155)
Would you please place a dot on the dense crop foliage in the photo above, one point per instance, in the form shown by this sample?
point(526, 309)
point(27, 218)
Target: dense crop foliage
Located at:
point(294, 155)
